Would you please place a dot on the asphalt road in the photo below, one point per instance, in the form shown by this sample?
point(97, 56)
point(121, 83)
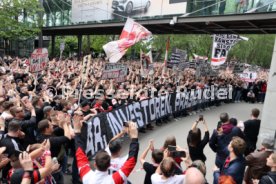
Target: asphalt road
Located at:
point(180, 128)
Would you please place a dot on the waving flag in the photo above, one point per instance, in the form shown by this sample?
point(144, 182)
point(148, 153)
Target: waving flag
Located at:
point(221, 46)
point(131, 34)
point(167, 51)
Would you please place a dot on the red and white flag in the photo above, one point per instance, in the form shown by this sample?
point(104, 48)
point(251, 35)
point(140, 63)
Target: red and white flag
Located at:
point(131, 34)
point(222, 44)
point(167, 51)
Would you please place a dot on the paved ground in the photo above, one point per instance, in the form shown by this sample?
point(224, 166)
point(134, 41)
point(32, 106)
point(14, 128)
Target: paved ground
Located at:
point(180, 129)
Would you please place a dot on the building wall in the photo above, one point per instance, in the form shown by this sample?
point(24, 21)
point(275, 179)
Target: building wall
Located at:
point(268, 124)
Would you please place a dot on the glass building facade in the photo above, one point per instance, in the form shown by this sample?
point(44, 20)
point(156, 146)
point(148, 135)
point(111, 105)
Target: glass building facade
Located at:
point(60, 13)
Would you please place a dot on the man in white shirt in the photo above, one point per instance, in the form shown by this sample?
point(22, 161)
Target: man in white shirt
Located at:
point(114, 149)
point(165, 173)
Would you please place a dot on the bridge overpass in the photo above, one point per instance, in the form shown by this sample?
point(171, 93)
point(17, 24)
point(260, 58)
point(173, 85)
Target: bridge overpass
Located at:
point(251, 23)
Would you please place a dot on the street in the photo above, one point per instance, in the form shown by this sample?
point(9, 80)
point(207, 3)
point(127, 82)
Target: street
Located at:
point(180, 129)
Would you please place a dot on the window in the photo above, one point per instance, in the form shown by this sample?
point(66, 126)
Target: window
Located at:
point(177, 1)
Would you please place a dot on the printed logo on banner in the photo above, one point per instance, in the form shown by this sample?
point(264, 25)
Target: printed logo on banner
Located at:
point(39, 60)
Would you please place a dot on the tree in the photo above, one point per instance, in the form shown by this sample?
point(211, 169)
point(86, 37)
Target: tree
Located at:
point(71, 46)
point(19, 18)
point(257, 50)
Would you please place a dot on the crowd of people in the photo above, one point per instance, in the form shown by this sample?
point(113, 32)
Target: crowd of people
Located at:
point(40, 130)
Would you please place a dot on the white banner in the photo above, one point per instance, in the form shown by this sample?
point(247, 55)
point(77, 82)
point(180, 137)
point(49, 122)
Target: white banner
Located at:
point(39, 60)
point(222, 43)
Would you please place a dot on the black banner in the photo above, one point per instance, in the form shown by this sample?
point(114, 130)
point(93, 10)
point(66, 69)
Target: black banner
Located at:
point(99, 130)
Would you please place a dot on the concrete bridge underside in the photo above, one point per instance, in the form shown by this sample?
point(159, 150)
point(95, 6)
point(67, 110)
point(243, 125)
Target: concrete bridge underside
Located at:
point(258, 23)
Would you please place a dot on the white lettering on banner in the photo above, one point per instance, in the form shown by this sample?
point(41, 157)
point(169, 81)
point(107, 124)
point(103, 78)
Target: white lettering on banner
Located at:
point(95, 140)
point(194, 102)
point(230, 92)
point(119, 118)
point(182, 101)
point(111, 125)
point(157, 108)
point(162, 107)
point(117, 125)
point(177, 98)
point(168, 105)
point(207, 94)
point(144, 105)
point(127, 114)
point(222, 94)
point(132, 115)
point(138, 114)
point(189, 104)
point(193, 94)
point(123, 115)
point(186, 104)
point(152, 109)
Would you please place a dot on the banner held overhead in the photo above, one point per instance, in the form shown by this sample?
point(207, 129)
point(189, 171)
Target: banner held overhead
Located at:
point(222, 43)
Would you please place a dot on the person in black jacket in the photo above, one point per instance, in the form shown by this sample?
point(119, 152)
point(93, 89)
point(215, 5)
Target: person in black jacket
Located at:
point(270, 178)
point(251, 131)
point(234, 165)
point(195, 144)
point(28, 126)
point(150, 168)
point(57, 143)
point(221, 138)
point(13, 143)
point(39, 105)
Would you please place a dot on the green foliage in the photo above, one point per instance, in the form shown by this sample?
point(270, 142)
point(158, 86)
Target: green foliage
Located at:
point(97, 42)
point(258, 50)
point(19, 18)
point(198, 44)
point(71, 45)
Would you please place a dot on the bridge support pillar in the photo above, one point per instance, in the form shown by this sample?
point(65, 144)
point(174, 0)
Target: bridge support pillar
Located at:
point(268, 125)
point(53, 45)
point(79, 46)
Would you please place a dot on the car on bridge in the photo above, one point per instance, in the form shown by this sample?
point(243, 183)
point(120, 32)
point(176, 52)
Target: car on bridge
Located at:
point(128, 6)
